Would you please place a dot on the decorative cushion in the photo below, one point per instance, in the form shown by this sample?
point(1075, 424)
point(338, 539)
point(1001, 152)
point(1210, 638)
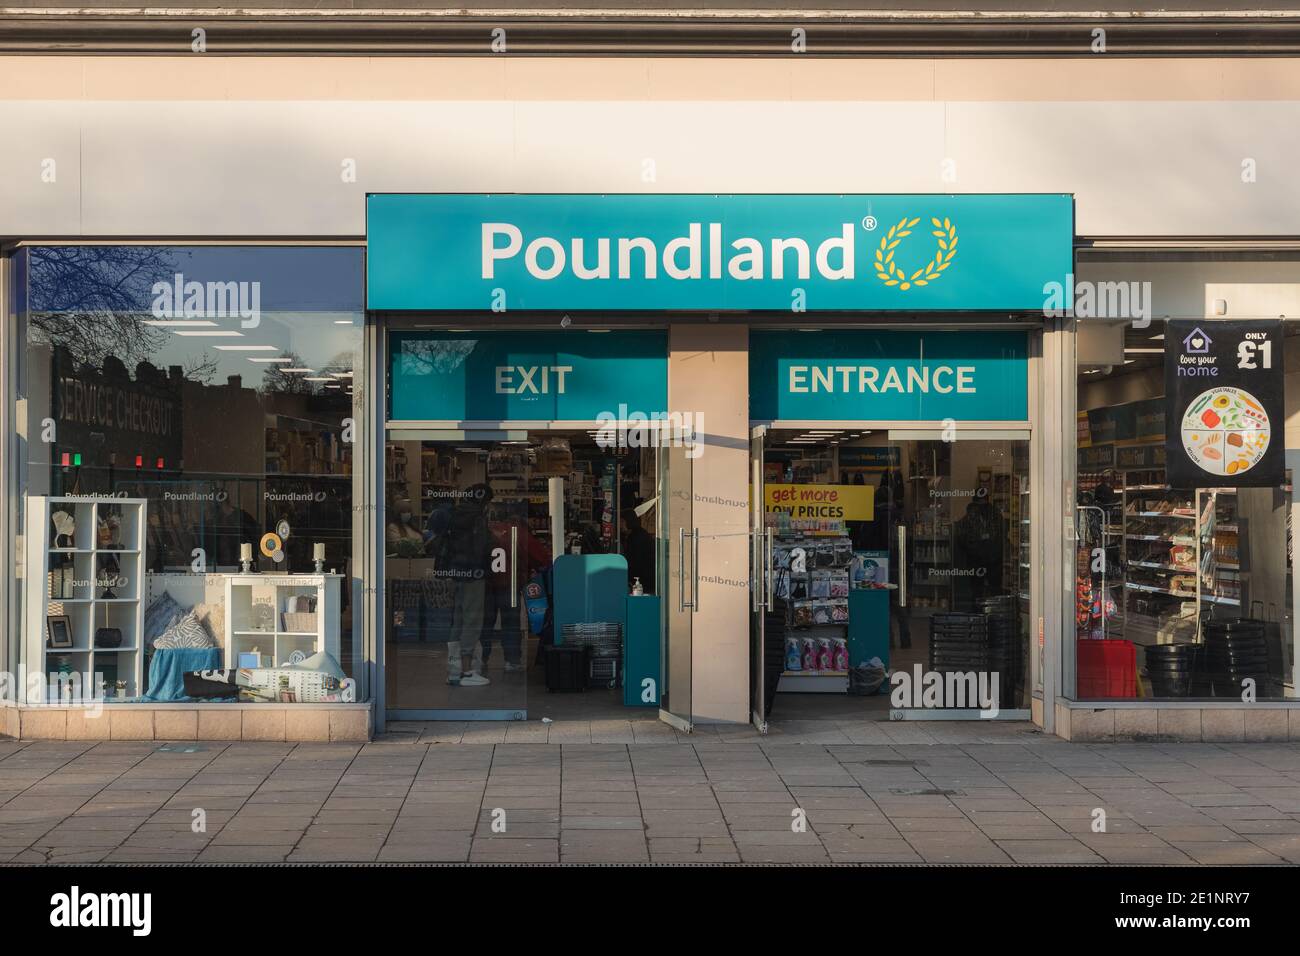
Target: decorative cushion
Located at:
point(159, 616)
point(213, 617)
point(186, 632)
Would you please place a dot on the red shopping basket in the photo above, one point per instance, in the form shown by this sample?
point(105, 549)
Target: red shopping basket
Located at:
point(1106, 670)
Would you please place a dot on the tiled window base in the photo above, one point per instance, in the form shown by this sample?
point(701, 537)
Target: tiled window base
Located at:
point(1183, 722)
point(287, 722)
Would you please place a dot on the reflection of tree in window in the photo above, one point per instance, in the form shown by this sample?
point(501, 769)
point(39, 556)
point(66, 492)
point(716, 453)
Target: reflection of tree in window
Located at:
point(87, 300)
point(276, 380)
point(426, 356)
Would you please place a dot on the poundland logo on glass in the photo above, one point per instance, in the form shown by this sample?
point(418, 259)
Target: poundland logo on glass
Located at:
point(77, 909)
point(705, 250)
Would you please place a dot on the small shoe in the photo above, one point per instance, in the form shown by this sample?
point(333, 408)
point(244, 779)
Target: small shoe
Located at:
point(454, 681)
point(511, 668)
point(474, 680)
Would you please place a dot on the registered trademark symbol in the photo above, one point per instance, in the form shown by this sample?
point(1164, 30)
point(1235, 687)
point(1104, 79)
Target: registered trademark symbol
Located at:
point(869, 223)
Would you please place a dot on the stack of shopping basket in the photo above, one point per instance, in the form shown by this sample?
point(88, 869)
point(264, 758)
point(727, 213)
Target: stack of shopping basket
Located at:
point(604, 641)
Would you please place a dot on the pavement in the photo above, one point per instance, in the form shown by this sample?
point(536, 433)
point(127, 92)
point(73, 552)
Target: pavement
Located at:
point(636, 792)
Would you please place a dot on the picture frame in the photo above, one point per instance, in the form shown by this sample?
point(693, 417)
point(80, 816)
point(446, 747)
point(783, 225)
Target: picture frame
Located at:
point(58, 631)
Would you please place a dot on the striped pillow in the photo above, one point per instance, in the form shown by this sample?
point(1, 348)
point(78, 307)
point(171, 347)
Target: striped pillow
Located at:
point(187, 632)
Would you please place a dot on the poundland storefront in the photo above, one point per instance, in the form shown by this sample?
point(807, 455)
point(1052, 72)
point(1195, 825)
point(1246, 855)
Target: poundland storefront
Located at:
point(716, 458)
point(806, 427)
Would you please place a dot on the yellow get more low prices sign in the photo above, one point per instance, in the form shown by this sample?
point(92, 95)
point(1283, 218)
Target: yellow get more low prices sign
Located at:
point(849, 502)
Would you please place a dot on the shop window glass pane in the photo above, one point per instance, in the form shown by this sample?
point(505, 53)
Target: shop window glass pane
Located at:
point(1183, 589)
point(190, 418)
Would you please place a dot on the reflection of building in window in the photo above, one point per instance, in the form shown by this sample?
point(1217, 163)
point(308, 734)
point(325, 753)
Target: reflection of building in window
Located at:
point(221, 463)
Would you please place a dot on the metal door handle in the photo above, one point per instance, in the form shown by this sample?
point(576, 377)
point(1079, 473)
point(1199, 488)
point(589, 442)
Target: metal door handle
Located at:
point(514, 566)
point(681, 570)
point(756, 577)
point(902, 565)
point(695, 572)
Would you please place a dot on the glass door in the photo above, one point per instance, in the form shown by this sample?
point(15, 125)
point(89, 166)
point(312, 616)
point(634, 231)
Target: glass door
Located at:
point(764, 662)
point(962, 546)
point(679, 550)
point(466, 529)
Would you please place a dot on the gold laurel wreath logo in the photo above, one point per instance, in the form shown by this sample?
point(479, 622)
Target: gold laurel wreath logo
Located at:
point(890, 273)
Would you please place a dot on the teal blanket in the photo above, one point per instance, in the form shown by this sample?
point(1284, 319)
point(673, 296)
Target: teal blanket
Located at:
point(166, 670)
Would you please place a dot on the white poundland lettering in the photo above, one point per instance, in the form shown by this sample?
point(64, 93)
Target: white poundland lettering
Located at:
point(682, 258)
point(860, 379)
point(531, 379)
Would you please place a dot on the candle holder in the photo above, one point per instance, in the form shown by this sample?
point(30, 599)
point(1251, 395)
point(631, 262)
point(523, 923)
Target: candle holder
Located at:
point(246, 558)
point(318, 557)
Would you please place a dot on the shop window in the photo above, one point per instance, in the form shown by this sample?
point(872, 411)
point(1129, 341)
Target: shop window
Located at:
point(188, 436)
point(1182, 551)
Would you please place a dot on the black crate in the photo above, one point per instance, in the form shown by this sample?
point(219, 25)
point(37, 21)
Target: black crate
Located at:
point(566, 668)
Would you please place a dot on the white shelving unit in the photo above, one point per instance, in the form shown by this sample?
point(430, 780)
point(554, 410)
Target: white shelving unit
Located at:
point(83, 598)
point(256, 616)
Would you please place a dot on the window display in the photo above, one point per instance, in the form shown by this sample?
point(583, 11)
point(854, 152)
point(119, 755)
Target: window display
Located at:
point(189, 471)
point(1183, 516)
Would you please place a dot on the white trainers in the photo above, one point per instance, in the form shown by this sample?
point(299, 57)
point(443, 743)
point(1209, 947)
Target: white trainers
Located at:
point(474, 680)
point(511, 668)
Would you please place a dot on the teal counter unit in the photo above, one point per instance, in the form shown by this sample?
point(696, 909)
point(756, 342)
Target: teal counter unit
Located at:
point(641, 638)
point(868, 625)
point(589, 589)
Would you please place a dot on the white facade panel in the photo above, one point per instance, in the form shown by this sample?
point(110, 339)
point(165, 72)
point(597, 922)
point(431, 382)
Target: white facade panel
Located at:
point(243, 168)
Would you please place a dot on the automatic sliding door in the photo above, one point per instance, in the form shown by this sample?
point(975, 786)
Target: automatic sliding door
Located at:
point(963, 549)
point(461, 535)
point(678, 541)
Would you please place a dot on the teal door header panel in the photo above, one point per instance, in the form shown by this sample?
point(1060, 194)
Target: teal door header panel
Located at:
point(520, 376)
point(858, 374)
point(907, 253)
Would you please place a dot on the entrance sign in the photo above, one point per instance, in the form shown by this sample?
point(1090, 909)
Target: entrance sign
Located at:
point(787, 253)
point(889, 376)
point(1224, 388)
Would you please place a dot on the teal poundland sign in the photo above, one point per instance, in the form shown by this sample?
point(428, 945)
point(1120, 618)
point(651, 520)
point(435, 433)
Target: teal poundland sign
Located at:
point(893, 253)
point(549, 376)
point(889, 376)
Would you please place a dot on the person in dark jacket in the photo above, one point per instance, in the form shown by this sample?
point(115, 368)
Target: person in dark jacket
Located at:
point(639, 550)
point(465, 556)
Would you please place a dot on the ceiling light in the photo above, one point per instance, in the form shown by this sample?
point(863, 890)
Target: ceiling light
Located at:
point(313, 378)
point(282, 358)
point(598, 330)
point(181, 323)
point(245, 348)
point(227, 334)
point(341, 374)
point(342, 321)
point(297, 370)
point(1158, 338)
point(1144, 351)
